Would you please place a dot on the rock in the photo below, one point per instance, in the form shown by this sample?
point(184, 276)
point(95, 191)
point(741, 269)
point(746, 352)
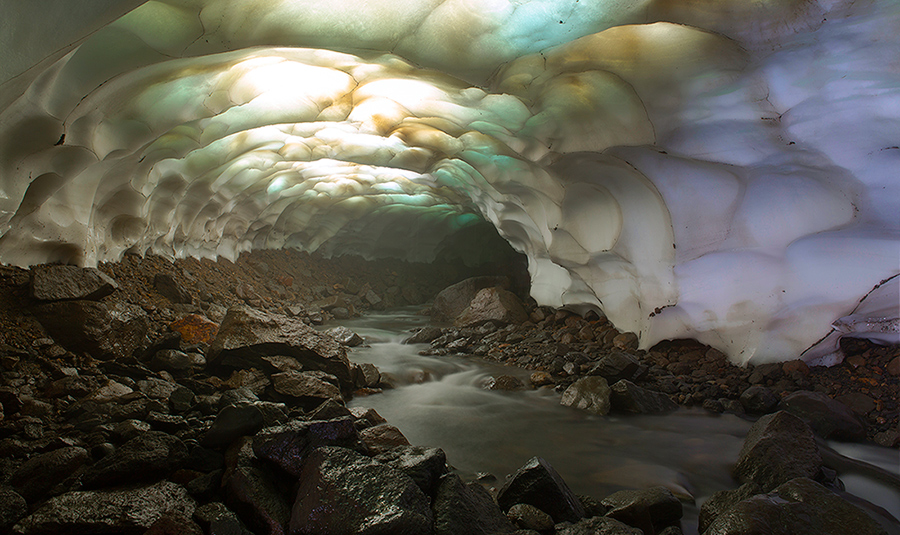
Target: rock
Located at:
point(195, 329)
point(616, 366)
point(492, 304)
point(537, 483)
point(888, 439)
point(599, 525)
point(366, 417)
point(345, 336)
point(217, 519)
point(506, 383)
point(366, 375)
point(651, 509)
point(827, 417)
point(858, 402)
point(39, 474)
point(106, 330)
point(169, 288)
point(182, 399)
point(156, 388)
point(329, 410)
point(540, 378)
point(460, 508)
point(628, 397)
point(626, 341)
point(371, 497)
point(423, 465)
point(254, 493)
point(246, 335)
point(722, 501)
point(54, 282)
point(452, 300)
point(383, 437)
point(779, 447)
point(758, 399)
point(798, 506)
point(286, 446)
point(242, 419)
point(12, 508)
point(893, 367)
point(424, 336)
point(306, 386)
point(529, 517)
point(130, 510)
point(588, 393)
point(146, 457)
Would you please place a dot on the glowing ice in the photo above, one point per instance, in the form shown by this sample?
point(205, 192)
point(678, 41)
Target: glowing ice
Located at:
point(726, 174)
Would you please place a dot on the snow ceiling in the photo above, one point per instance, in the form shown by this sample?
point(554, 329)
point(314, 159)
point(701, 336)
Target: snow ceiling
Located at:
point(718, 169)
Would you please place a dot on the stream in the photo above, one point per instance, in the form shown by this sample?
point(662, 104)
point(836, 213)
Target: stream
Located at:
point(441, 402)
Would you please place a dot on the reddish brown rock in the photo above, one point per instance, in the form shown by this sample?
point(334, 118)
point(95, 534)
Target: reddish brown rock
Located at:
point(195, 329)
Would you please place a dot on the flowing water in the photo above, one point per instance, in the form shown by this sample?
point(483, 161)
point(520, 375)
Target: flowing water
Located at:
point(442, 402)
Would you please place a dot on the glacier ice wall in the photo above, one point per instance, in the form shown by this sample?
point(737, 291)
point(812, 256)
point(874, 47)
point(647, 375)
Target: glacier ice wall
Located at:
point(721, 170)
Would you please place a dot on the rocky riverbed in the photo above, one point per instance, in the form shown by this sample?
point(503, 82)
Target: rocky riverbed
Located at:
point(195, 397)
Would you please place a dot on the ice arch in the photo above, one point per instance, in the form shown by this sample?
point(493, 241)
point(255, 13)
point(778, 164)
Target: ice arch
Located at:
point(713, 169)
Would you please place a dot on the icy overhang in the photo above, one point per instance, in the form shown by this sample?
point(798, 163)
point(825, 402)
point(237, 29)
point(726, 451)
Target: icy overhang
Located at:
point(721, 170)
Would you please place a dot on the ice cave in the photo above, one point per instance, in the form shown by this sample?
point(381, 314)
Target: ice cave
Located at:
point(721, 170)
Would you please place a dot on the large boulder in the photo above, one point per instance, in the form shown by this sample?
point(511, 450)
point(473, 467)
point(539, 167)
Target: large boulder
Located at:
point(246, 336)
point(42, 472)
point(537, 483)
point(628, 397)
point(469, 509)
point(341, 491)
point(242, 419)
point(651, 510)
point(148, 456)
point(779, 447)
point(590, 393)
point(452, 300)
point(722, 501)
point(424, 465)
point(827, 417)
point(308, 388)
point(54, 282)
point(286, 446)
point(798, 506)
point(599, 525)
point(129, 511)
point(492, 304)
point(105, 330)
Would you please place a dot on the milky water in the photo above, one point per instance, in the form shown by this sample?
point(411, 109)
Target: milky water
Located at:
point(442, 402)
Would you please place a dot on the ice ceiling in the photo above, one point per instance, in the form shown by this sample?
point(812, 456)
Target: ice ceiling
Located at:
point(718, 169)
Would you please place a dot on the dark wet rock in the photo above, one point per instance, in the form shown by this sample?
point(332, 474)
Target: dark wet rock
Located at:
point(798, 506)
point(171, 360)
point(628, 397)
point(237, 396)
point(329, 410)
point(461, 508)
point(205, 487)
point(722, 501)
point(651, 509)
point(506, 383)
point(39, 474)
point(146, 457)
point(182, 399)
point(599, 525)
point(246, 335)
point(758, 399)
point(156, 388)
point(106, 330)
point(424, 336)
point(592, 506)
point(423, 465)
point(345, 336)
point(537, 483)
point(858, 402)
point(174, 524)
point(779, 447)
point(366, 375)
point(590, 393)
point(540, 378)
point(169, 288)
point(54, 282)
point(287, 445)
point(383, 437)
point(256, 495)
point(243, 419)
point(307, 386)
point(366, 417)
point(827, 417)
point(529, 517)
point(125, 511)
point(217, 519)
point(452, 300)
point(618, 365)
point(495, 305)
point(168, 423)
point(12, 508)
point(341, 491)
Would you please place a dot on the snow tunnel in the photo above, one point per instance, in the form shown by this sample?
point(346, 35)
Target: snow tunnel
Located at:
point(712, 169)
